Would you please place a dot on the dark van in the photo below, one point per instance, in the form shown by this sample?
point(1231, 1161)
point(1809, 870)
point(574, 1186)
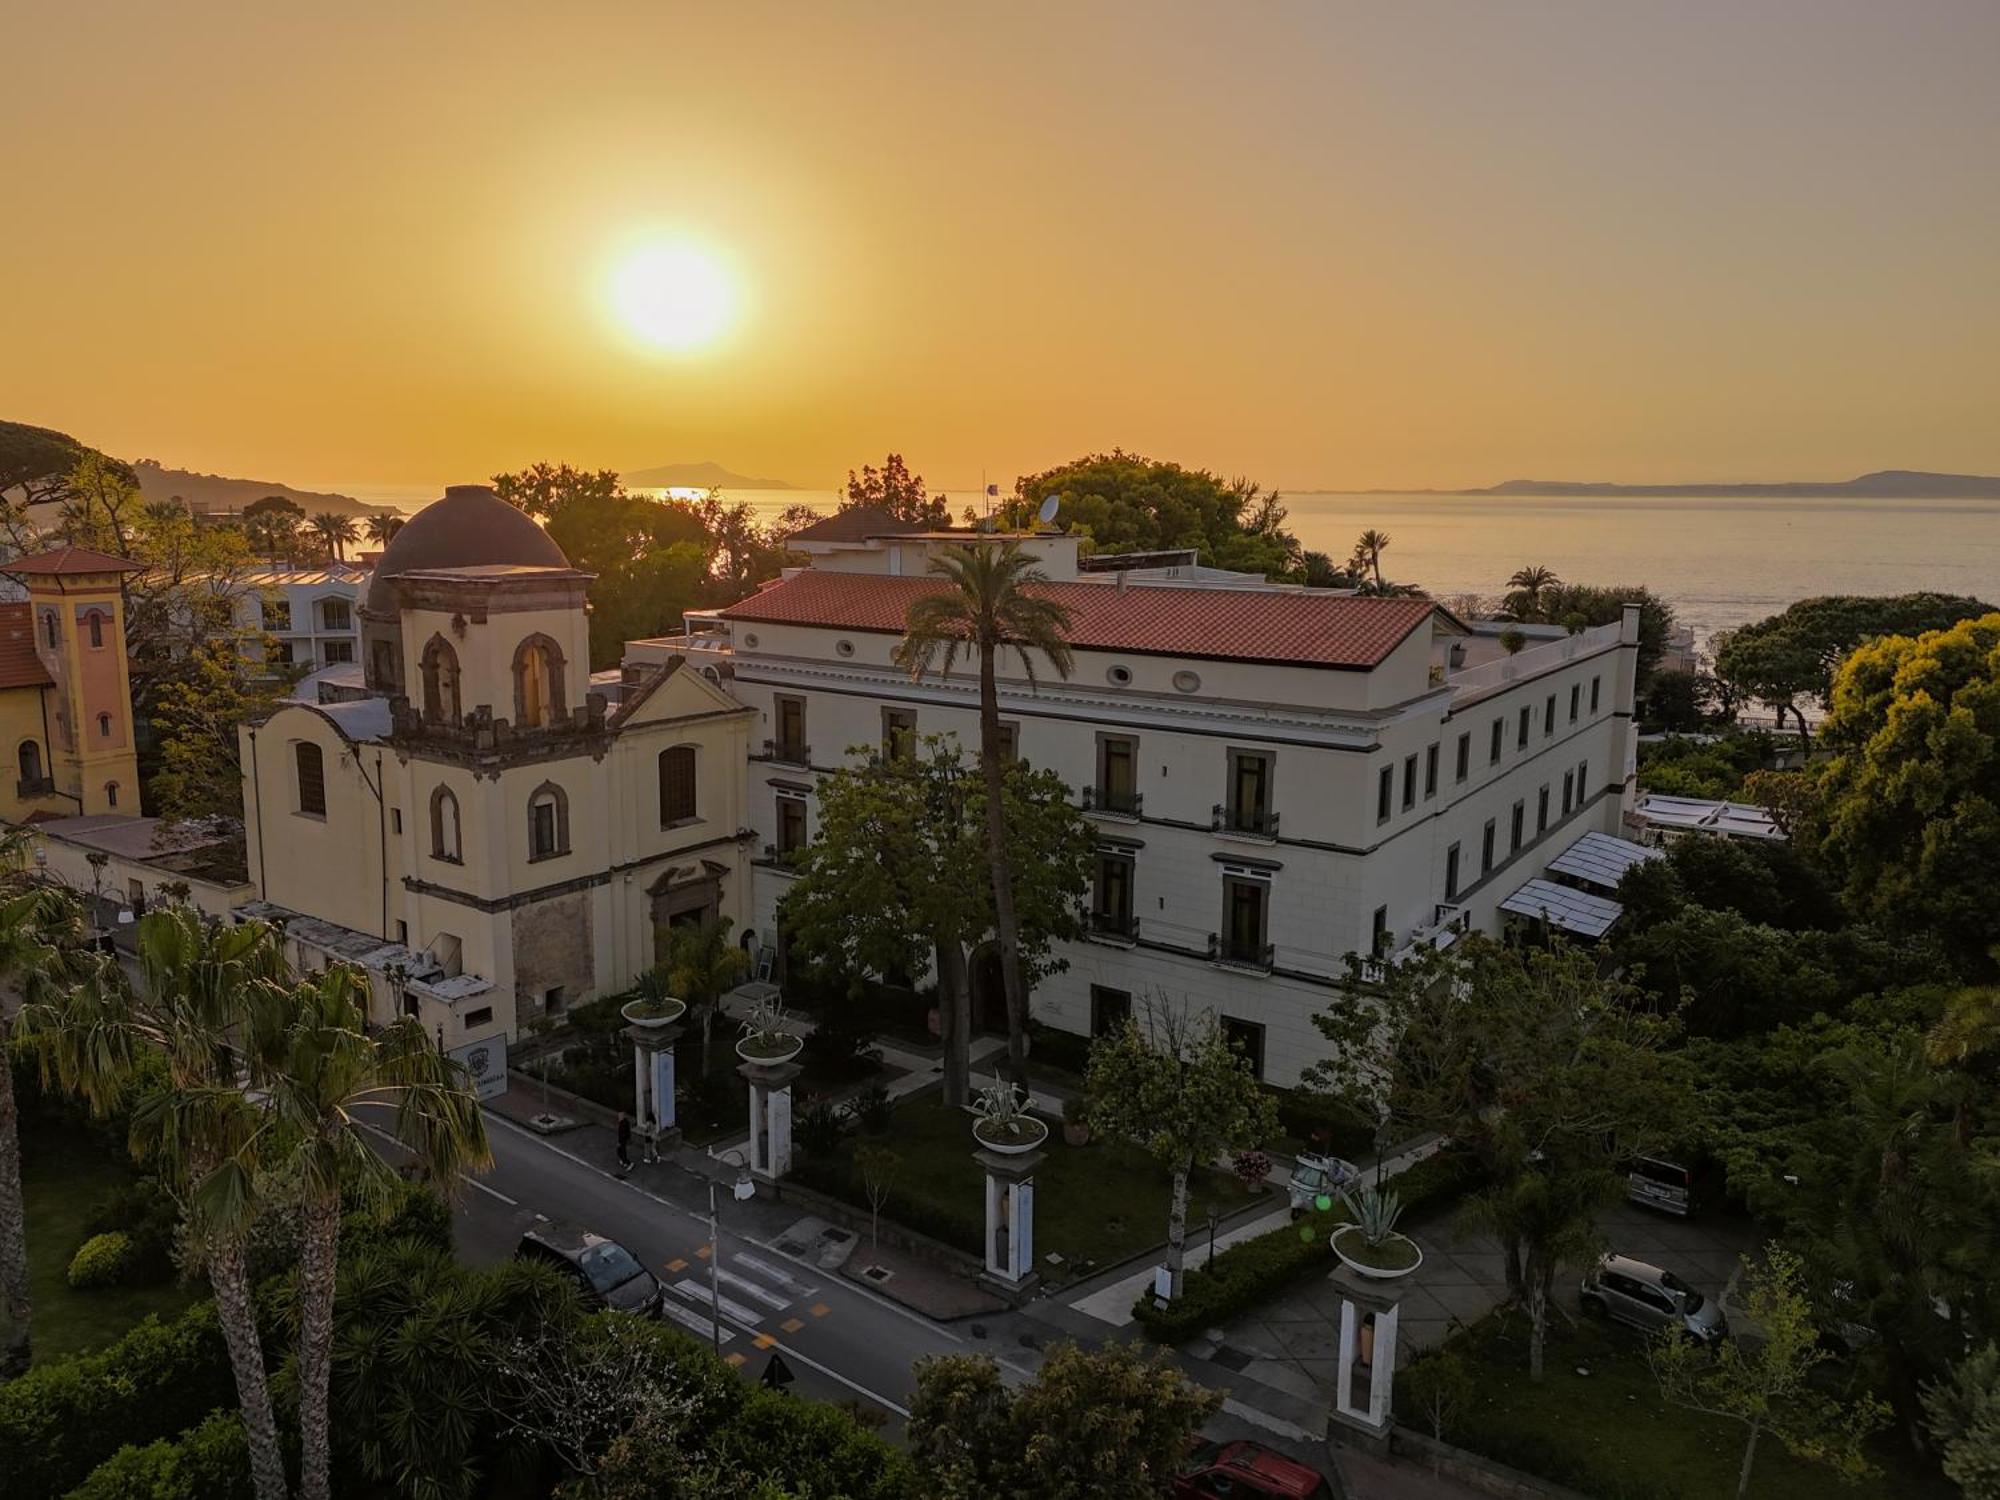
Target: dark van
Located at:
point(1656, 1182)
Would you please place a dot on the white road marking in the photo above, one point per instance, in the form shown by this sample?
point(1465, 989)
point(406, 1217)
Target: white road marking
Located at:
point(694, 1322)
point(778, 1274)
point(750, 1288)
point(471, 1182)
point(694, 1291)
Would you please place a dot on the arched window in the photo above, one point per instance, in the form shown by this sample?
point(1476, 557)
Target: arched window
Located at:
point(548, 822)
point(96, 619)
point(538, 682)
point(382, 657)
point(445, 843)
point(110, 794)
point(677, 788)
point(311, 767)
point(104, 726)
point(30, 757)
point(440, 671)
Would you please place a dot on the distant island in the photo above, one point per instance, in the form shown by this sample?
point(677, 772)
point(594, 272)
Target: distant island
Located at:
point(213, 492)
point(1883, 484)
point(701, 476)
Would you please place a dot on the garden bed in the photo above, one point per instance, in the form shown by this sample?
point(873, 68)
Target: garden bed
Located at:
point(1095, 1205)
point(1609, 1433)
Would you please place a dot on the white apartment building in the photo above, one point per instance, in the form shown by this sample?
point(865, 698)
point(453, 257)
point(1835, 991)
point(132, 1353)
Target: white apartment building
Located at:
point(311, 611)
point(1279, 777)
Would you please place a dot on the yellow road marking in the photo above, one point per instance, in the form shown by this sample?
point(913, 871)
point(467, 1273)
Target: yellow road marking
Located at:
point(763, 1341)
point(819, 1309)
point(734, 1359)
point(677, 1264)
point(792, 1325)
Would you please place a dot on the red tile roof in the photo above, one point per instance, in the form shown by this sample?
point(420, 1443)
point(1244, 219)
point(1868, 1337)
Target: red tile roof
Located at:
point(19, 665)
point(70, 560)
point(1306, 628)
point(855, 524)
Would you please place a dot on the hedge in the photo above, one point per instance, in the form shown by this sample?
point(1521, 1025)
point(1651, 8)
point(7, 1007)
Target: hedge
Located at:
point(1251, 1270)
point(101, 1260)
point(61, 1420)
point(208, 1462)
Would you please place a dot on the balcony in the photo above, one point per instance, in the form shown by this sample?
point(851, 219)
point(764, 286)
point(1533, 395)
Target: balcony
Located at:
point(1111, 926)
point(783, 859)
point(1110, 804)
point(1239, 954)
point(788, 754)
point(1256, 823)
point(35, 786)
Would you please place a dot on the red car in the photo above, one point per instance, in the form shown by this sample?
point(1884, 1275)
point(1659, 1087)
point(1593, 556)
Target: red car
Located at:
point(1247, 1471)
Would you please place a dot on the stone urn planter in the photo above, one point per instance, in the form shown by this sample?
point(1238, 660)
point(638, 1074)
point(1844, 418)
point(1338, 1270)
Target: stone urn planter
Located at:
point(1389, 1258)
point(1013, 1137)
point(653, 1015)
point(768, 1040)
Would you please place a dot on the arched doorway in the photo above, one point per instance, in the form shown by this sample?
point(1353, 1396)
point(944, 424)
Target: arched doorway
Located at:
point(989, 990)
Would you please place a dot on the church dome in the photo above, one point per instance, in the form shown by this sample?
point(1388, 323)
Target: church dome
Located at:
point(470, 527)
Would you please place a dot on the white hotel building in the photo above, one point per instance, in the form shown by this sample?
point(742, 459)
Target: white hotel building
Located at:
point(1278, 776)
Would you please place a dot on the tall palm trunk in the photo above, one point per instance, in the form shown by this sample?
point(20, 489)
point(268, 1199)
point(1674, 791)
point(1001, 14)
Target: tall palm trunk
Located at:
point(229, 1276)
point(13, 1223)
point(1006, 925)
point(319, 1248)
point(954, 1021)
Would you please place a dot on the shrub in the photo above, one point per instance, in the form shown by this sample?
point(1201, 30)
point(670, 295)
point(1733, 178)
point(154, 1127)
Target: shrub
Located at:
point(1068, 1050)
point(1324, 1123)
point(101, 1260)
point(62, 1419)
point(819, 1128)
point(872, 1108)
point(147, 1215)
point(1253, 1167)
point(208, 1462)
point(838, 1177)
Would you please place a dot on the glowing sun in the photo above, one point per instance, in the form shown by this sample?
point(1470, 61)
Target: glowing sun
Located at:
point(674, 296)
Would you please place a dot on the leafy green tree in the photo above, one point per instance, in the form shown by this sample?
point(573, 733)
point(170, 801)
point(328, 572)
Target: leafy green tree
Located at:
point(323, 1075)
point(272, 524)
point(1179, 1090)
point(1679, 702)
point(196, 713)
point(201, 988)
point(35, 467)
point(1908, 804)
point(895, 489)
point(1789, 659)
point(700, 965)
point(988, 607)
point(1963, 1414)
point(1121, 502)
point(1579, 606)
point(1765, 1387)
point(1100, 1424)
point(544, 490)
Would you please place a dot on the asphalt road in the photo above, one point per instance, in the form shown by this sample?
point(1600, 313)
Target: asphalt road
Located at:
point(841, 1341)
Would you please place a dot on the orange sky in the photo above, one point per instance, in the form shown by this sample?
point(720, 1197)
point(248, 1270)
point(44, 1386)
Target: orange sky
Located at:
point(1321, 244)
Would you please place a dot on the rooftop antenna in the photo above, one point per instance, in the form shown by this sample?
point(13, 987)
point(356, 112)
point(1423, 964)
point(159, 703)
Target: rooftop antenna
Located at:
point(1050, 505)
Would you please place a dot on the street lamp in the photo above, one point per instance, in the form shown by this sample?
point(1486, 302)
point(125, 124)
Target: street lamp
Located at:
point(1214, 1218)
point(744, 1189)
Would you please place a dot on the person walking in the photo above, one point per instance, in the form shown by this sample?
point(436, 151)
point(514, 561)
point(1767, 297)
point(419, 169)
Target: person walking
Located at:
point(624, 1143)
point(649, 1140)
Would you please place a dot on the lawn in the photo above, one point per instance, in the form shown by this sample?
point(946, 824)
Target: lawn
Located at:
point(64, 1178)
point(1609, 1434)
point(1094, 1205)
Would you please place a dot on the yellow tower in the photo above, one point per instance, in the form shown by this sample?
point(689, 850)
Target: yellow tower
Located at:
point(76, 601)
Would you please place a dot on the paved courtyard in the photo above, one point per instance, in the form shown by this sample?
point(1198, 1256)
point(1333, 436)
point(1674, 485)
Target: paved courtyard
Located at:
point(1293, 1342)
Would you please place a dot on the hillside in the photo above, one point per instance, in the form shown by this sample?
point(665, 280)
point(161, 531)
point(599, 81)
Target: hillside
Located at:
point(706, 475)
point(213, 492)
point(1883, 484)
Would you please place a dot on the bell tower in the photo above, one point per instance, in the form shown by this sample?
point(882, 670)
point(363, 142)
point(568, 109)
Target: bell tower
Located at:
point(76, 600)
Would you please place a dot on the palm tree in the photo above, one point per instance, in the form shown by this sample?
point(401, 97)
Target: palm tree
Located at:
point(202, 985)
point(383, 529)
point(987, 607)
point(335, 531)
point(40, 929)
point(1527, 588)
point(323, 1075)
point(699, 966)
point(1368, 550)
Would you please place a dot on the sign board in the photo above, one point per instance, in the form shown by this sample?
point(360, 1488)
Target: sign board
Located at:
point(1163, 1283)
point(486, 1061)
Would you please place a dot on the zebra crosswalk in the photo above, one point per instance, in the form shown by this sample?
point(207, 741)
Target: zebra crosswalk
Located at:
point(743, 1280)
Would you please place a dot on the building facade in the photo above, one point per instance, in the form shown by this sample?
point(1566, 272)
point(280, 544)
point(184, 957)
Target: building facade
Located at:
point(313, 614)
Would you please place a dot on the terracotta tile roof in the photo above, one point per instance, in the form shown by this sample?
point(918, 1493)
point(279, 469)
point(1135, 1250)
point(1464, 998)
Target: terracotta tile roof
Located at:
point(19, 665)
point(1306, 628)
point(70, 560)
point(854, 525)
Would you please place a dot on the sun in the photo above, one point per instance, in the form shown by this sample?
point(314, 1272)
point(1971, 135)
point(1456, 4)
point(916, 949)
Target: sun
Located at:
point(675, 296)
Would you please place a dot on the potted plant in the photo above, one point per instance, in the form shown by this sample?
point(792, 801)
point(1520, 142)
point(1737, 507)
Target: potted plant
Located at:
point(1004, 1126)
point(767, 1038)
point(651, 1006)
point(1370, 1246)
point(1076, 1120)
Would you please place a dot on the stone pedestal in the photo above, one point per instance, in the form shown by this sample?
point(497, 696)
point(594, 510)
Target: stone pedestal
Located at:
point(1010, 1216)
point(770, 1117)
point(653, 1077)
point(1365, 1374)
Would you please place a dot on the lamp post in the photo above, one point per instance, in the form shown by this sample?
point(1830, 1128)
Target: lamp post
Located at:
point(1214, 1217)
point(744, 1189)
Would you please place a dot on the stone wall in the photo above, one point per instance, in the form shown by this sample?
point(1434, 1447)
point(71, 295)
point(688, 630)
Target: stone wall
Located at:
point(552, 946)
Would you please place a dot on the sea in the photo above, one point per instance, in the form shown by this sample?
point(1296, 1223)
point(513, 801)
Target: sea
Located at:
point(1720, 562)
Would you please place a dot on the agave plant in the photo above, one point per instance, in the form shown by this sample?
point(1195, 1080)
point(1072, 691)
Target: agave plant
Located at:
point(1375, 1212)
point(767, 1029)
point(1003, 1114)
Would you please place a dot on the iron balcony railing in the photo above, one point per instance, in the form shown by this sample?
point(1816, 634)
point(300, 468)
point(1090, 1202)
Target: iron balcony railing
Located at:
point(1117, 925)
point(789, 753)
point(1224, 949)
point(1226, 819)
point(1124, 804)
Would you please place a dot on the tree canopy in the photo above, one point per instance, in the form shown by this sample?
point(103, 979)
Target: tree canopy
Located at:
point(1579, 606)
point(895, 489)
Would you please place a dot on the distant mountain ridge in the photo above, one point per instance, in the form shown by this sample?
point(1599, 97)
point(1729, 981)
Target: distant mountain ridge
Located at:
point(1883, 484)
point(213, 492)
point(707, 475)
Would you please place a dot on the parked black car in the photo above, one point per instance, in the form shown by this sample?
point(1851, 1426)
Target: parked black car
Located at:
point(606, 1272)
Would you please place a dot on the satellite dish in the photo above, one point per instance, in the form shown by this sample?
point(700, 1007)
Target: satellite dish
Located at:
point(1050, 505)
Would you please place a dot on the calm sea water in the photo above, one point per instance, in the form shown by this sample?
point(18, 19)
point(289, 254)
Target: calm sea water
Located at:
point(1721, 562)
